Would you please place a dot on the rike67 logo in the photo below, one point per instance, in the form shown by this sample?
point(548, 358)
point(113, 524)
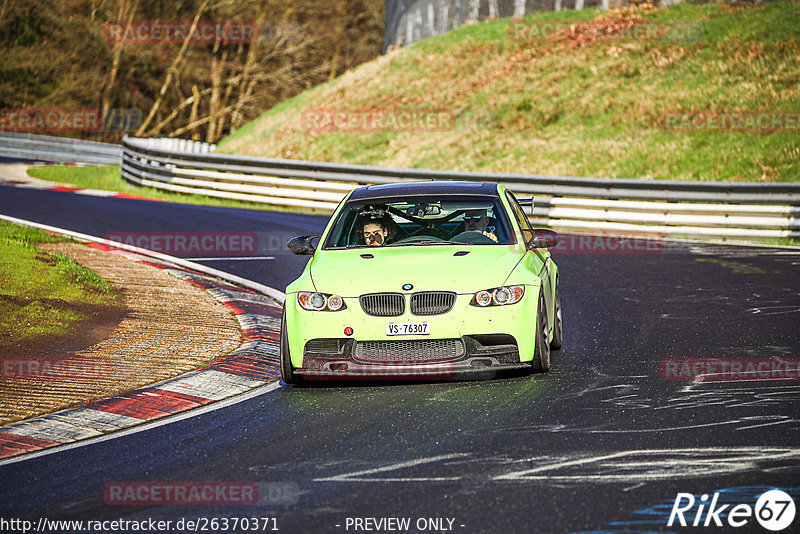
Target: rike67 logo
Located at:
point(774, 510)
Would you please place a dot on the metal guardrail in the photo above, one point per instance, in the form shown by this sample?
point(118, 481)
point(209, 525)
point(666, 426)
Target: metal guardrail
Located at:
point(727, 210)
point(58, 149)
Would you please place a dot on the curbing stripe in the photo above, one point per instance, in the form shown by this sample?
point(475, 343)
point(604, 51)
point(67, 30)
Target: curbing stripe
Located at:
point(13, 444)
point(53, 186)
point(255, 359)
point(252, 365)
point(97, 193)
point(210, 384)
point(49, 429)
point(148, 404)
point(94, 419)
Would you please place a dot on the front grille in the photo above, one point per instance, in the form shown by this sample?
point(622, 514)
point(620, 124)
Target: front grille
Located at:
point(383, 304)
point(428, 351)
point(432, 302)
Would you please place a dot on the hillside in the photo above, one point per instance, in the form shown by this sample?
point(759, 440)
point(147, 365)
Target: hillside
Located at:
point(598, 98)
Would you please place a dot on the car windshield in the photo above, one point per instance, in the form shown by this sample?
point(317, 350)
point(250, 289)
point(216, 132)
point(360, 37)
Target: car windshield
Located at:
point(421, 221)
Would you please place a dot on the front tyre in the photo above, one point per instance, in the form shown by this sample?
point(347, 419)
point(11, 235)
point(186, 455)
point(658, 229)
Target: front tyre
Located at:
point(541, 353)
point(287, 371)
point(555, 344)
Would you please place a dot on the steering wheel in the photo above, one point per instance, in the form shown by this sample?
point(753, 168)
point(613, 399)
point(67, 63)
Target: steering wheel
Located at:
point(419, 238)
point(473, 238)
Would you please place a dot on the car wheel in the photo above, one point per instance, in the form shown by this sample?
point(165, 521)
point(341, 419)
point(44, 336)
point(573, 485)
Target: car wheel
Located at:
point(557, 328)
point(287, 371)
point(541, 353)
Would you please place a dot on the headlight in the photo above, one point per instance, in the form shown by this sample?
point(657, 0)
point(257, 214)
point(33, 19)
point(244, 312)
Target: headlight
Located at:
point(498, 296)
point(320, 301)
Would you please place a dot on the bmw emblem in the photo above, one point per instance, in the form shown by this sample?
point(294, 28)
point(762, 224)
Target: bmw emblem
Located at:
point(407, 287)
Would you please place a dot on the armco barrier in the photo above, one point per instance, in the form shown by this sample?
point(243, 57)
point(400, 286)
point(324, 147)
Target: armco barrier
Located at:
point(722, 210)
point(57, 149)
point(711, 210)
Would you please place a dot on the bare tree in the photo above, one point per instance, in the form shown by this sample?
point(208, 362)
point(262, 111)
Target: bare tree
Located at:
point(126, 12)
point(193, 113)
point(172, 70)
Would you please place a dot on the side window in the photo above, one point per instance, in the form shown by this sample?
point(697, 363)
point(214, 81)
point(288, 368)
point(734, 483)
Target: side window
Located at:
point(522, 219)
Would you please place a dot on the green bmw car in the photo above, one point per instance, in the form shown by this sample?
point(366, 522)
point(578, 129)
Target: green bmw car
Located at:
point(422, 280)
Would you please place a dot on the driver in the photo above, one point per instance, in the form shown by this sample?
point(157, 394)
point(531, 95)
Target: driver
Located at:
point(377, 232)
point(477, 221)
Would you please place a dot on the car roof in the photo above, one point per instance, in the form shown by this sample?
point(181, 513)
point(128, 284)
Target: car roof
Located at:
point(431, 187)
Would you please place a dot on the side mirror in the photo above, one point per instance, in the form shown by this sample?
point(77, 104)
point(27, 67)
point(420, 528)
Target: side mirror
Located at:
point(302, 245)
point(541, 238)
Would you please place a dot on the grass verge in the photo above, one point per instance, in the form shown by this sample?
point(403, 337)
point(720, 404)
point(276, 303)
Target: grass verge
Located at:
point(43, 295)
point(107, 178)
point(596, 105)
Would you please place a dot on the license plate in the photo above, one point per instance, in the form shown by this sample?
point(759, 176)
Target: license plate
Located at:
point(406, 329)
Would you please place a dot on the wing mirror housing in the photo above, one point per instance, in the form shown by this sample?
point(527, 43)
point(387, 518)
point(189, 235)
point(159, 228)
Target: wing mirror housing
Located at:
point(541, 238)
point(302, 245)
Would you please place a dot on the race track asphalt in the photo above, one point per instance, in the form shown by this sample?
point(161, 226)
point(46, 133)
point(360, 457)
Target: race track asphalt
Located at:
point(602, 443)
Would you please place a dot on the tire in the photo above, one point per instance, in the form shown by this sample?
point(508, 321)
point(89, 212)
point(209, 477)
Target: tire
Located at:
point(558, 330)
point(541, 353)
point(287, 371)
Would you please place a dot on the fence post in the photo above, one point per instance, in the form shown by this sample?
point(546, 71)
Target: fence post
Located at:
point(519, 9)
point(472, 15)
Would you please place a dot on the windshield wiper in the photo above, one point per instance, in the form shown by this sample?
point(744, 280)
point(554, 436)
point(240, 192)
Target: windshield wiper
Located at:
point(426, 242)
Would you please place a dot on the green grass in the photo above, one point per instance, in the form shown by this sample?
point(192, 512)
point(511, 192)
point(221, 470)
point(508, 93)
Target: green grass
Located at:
point(42, 295)
point(108, 178)
point(552, 108)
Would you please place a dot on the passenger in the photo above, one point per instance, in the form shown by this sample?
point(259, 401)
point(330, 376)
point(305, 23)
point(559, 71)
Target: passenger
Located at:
point(478, 221)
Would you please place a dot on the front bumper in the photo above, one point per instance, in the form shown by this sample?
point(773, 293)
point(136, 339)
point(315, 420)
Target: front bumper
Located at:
point(464, 324)
point(420, 358)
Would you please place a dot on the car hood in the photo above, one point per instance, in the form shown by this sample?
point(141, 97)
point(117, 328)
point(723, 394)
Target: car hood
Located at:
point(427, 268)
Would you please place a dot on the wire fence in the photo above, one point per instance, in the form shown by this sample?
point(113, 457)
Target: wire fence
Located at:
point(409, 21)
